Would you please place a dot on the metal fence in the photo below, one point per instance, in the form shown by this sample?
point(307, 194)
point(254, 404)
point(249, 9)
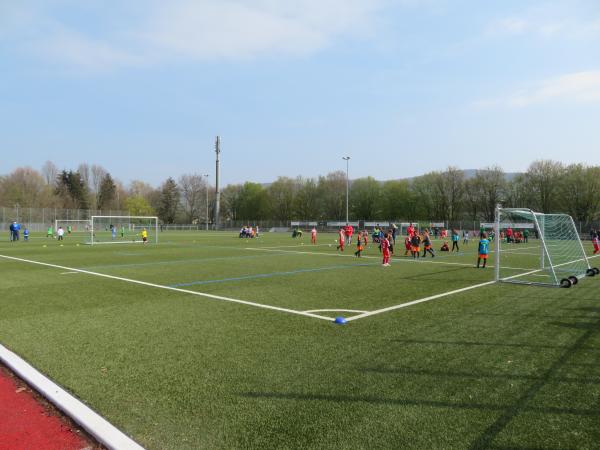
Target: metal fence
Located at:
point(39, 219)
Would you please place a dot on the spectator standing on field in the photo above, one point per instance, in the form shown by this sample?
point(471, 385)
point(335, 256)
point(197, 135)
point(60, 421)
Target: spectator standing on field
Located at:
point(11, 229)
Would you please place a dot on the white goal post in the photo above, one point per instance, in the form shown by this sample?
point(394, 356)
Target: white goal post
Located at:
point(538, 249)
point(122, 229)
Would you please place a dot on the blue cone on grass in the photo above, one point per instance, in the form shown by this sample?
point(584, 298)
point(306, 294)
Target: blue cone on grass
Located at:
point(340, 320)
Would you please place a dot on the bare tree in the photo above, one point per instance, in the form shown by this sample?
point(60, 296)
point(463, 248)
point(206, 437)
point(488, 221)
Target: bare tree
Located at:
point(193, 194)
point(97, 174)
point(49, 172)
point(84, 172)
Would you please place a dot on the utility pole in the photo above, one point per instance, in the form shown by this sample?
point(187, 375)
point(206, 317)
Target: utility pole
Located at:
point(347, 158)
point(207, 218)
point(217, 193)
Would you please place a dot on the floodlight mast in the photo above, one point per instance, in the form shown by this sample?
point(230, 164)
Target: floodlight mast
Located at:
point(217, 193)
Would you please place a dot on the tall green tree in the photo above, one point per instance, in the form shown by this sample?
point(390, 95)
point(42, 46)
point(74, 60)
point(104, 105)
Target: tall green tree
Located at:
point(490, 188)
point(543, 179)
point(332, 190)
point(307, 201)
point(138, 206)
point(397, 200)
point(282, 193)
point(169, 201)
point(580, 192)
point(72, 190)
point(253, 202)
point(108, 192)
point(365, 198)
point(231, 201)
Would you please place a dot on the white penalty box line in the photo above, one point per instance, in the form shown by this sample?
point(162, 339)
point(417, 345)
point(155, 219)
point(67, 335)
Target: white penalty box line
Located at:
point(445, 294)
point(175, 289)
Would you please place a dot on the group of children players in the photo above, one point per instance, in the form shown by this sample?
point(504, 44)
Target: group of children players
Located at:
point(412, 243)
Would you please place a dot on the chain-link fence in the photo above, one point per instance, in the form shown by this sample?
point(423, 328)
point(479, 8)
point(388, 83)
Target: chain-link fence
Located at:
point(39, 219)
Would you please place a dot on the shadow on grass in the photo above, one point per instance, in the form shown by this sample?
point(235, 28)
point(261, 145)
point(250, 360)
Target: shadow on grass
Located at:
point(476, 344)
point(475, 375)
point(374, 400)
point(506, 412)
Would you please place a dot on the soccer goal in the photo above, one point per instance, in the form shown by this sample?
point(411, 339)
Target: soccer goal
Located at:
point(73, 225)
point(538, 249)
point(122, 229)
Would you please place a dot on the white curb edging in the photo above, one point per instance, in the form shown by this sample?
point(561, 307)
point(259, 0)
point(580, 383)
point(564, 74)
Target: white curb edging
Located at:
point(92, 422)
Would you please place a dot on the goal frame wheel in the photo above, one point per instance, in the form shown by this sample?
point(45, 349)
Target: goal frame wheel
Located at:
point(574, 280)
point(565, 283)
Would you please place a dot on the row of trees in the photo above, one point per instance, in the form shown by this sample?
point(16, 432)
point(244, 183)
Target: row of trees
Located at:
point(546, 186)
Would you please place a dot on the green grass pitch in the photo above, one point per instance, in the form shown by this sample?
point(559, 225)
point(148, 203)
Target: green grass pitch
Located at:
point(496, 366)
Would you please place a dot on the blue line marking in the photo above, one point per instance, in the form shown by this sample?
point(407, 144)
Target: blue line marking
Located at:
point(178, 261)
point(272, 274)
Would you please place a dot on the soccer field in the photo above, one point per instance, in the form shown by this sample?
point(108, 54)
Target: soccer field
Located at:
point(206, 340)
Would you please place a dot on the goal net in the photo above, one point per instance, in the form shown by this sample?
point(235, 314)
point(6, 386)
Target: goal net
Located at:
point(536, 248)
point(122, 229)
point(73, 225)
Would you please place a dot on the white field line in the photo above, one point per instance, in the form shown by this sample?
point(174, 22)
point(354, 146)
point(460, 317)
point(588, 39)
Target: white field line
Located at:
point(294, 246)
point(445, 294)
point(336, 310)
point(432, 297)
point(67, 273)
point(106, 433)
point(516, 249)
point(394, 260)
point(169, 288)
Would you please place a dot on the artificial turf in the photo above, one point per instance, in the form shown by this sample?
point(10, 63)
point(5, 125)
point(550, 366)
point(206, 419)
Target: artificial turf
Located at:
point(501, 366)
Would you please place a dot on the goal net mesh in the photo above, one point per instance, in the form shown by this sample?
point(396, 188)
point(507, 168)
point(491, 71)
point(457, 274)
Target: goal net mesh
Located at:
point(122, 229)
point(538, 248)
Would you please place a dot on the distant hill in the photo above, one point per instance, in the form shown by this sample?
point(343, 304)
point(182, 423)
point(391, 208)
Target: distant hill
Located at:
point(468, 173)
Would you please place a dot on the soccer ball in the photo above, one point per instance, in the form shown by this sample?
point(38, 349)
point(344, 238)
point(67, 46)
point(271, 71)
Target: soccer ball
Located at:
point(330, 245)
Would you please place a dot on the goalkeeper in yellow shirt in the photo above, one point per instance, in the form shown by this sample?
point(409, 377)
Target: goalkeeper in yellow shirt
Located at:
point(145, 236)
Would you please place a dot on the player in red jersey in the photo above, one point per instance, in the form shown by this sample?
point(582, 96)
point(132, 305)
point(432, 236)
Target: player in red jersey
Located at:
point(342, 240)
point(385, 250)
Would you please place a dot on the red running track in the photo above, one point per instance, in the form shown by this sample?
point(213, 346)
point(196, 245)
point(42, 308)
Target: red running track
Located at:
point(26, 424)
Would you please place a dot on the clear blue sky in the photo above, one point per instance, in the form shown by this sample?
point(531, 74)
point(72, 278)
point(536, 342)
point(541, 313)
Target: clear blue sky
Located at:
point(402, 86)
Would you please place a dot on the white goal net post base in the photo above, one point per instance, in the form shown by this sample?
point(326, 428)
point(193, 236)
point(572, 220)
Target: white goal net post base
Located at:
point(538, 249)
point(122, 229)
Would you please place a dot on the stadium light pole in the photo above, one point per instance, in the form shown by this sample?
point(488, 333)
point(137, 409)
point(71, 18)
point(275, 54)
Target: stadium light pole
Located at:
point(206, 175)
point(347, 158)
